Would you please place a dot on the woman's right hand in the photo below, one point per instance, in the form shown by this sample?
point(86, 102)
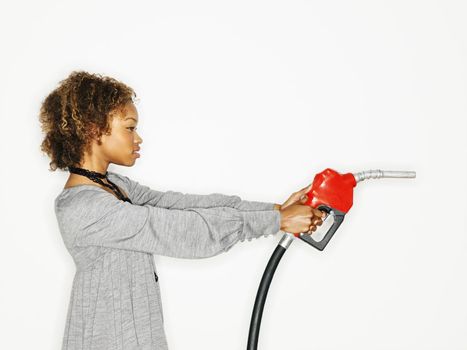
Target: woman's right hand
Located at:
point(298, 218)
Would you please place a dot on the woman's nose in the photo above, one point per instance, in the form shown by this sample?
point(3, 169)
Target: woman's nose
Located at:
point(139, 139)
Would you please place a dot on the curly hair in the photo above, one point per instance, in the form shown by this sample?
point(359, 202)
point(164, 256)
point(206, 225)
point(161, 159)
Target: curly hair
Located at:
point(77, 112)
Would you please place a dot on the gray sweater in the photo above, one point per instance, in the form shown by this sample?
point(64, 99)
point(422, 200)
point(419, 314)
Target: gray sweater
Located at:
point(115, 301)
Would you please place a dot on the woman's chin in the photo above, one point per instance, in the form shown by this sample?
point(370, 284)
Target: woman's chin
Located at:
point(127, 162)
point(134, 158)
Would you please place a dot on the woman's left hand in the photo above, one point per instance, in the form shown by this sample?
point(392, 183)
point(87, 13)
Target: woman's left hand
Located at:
point(298, 197)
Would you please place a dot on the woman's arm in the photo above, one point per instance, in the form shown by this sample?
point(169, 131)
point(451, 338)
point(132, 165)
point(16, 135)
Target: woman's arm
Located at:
point(144, 195)
point(97, 218)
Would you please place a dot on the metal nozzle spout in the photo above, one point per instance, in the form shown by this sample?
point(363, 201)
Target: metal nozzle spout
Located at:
point(377, 174)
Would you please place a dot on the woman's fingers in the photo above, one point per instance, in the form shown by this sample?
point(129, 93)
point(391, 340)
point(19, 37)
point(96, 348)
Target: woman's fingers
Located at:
point(298, 197)
point(317, 222)
point(318, 213)
point(301, 218)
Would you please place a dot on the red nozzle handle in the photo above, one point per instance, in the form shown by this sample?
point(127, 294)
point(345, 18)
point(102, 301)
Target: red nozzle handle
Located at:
point(332, 189)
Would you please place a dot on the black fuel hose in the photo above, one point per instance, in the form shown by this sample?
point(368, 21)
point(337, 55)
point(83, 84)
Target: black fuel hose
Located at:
point(261, 295)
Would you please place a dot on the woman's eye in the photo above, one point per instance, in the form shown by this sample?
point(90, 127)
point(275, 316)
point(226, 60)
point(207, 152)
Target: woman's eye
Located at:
point(132, 128)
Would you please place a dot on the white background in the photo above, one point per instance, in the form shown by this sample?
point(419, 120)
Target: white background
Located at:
point(253, 98)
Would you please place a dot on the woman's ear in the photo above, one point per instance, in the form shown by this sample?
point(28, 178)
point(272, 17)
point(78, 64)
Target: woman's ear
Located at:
point(94, 134)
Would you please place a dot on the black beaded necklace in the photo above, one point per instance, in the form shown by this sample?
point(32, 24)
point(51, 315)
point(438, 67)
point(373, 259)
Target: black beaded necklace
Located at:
point(96, 177)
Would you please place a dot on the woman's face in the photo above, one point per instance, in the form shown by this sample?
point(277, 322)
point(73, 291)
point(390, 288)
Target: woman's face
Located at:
point(119, 147)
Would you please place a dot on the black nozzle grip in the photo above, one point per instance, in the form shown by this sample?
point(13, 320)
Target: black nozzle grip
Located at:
point(338, 219)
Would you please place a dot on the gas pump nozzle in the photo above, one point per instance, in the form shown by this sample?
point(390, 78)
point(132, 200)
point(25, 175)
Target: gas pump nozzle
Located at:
point(332, 193)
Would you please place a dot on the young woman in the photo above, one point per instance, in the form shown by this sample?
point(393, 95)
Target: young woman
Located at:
point(112, 225)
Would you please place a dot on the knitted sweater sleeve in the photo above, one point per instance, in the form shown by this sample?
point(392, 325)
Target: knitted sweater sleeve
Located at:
point(98, 218)
point(142, 195)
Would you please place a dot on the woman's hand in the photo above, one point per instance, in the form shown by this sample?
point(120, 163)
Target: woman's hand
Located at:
point(297, 218)
point(299, 197)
